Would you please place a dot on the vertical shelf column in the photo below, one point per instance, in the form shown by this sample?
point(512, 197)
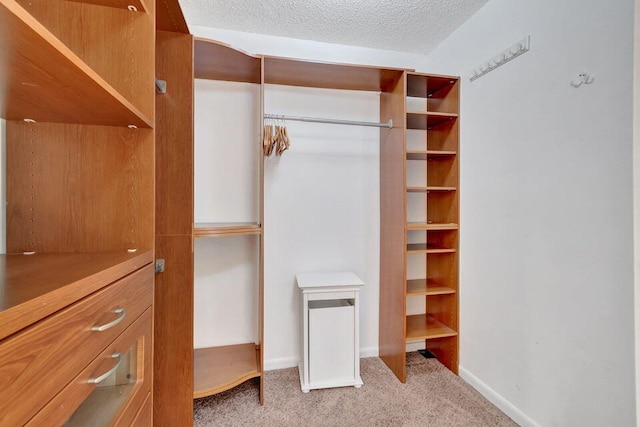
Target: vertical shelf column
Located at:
point(432, 112)
point(223, 362)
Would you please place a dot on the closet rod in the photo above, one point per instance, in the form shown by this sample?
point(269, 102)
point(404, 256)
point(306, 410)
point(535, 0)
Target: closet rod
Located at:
point(334, 121)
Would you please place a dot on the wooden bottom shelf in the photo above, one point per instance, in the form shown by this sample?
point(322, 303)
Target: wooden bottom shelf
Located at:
point(217, 369)
point(425, 327)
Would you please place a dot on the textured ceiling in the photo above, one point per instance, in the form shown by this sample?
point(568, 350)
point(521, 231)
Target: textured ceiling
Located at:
point(402, 25)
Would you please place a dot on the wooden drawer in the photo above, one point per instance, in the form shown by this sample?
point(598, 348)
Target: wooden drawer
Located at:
point(36, 363)
point(145, 414)
point(107, 404)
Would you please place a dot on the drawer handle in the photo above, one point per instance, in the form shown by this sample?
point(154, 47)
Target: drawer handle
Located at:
point(121, 311)
point(98, 380)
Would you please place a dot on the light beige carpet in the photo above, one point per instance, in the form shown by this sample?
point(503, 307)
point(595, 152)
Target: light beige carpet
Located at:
point(432, 396)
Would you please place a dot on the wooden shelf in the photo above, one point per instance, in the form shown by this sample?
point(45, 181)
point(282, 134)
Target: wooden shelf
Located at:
point(428, 154)
point(427, 120)
point(419, 287)
point(35, 286)
point(425, 327)
point(424, 248)
point(431, 226)
point(293, 72)
point(426, 86)
point(120, 4)
point(217, 369)
point(226, 229)
point(50, 83)
point(429, 188)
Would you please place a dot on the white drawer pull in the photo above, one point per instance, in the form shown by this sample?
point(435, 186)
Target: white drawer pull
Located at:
point(99, 379)
point(121, 311)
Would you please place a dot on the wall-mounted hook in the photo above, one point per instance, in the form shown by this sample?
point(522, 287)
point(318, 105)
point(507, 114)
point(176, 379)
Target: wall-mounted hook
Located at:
point(583, 78)
point(502, 58)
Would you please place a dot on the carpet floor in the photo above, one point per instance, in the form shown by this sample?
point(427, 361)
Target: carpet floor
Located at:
point(432, 396)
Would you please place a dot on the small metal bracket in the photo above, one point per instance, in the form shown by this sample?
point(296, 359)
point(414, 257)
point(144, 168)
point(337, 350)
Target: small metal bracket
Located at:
point(161, 86)
point(159, 265)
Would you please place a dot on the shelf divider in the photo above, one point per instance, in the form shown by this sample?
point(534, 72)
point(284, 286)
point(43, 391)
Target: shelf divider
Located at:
point(221, 229)
point(430, 188)
point(420, 287)
point(428, 154)
point(426, 120)
point(422, 226)
point(424, 248)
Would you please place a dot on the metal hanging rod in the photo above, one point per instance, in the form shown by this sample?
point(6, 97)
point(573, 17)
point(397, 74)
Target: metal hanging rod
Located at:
point(334, 121)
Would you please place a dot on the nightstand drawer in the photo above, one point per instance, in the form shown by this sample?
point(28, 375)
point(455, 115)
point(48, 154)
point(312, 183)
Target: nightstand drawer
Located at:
point(38, 362)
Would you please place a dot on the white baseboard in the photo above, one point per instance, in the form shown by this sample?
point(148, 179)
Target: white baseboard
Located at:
point(292, 362)
point(492, 396)
point(280, 363)
point(368, 352)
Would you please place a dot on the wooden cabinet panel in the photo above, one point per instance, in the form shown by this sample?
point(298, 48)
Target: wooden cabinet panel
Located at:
point(37, 363)
point(173, 330)
point(89, 189)
point(91, 404)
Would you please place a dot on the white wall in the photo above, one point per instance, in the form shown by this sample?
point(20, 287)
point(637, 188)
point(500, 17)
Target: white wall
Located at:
point(226, 178)
point(321, 210)
point(321, 198)
point(546, 210)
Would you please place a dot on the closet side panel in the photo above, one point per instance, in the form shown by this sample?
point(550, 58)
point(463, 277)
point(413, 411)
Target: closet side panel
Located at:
point(173, 317)
point(392, 232)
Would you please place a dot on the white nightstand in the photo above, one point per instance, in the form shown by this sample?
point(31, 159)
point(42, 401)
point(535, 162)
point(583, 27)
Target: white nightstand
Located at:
point(330, 330)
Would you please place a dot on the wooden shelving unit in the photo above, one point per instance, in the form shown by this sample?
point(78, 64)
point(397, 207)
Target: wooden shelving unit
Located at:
point(431, 241)
point(217, 61)
point(217, 369)
point(77, 91)
point(214, 368)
